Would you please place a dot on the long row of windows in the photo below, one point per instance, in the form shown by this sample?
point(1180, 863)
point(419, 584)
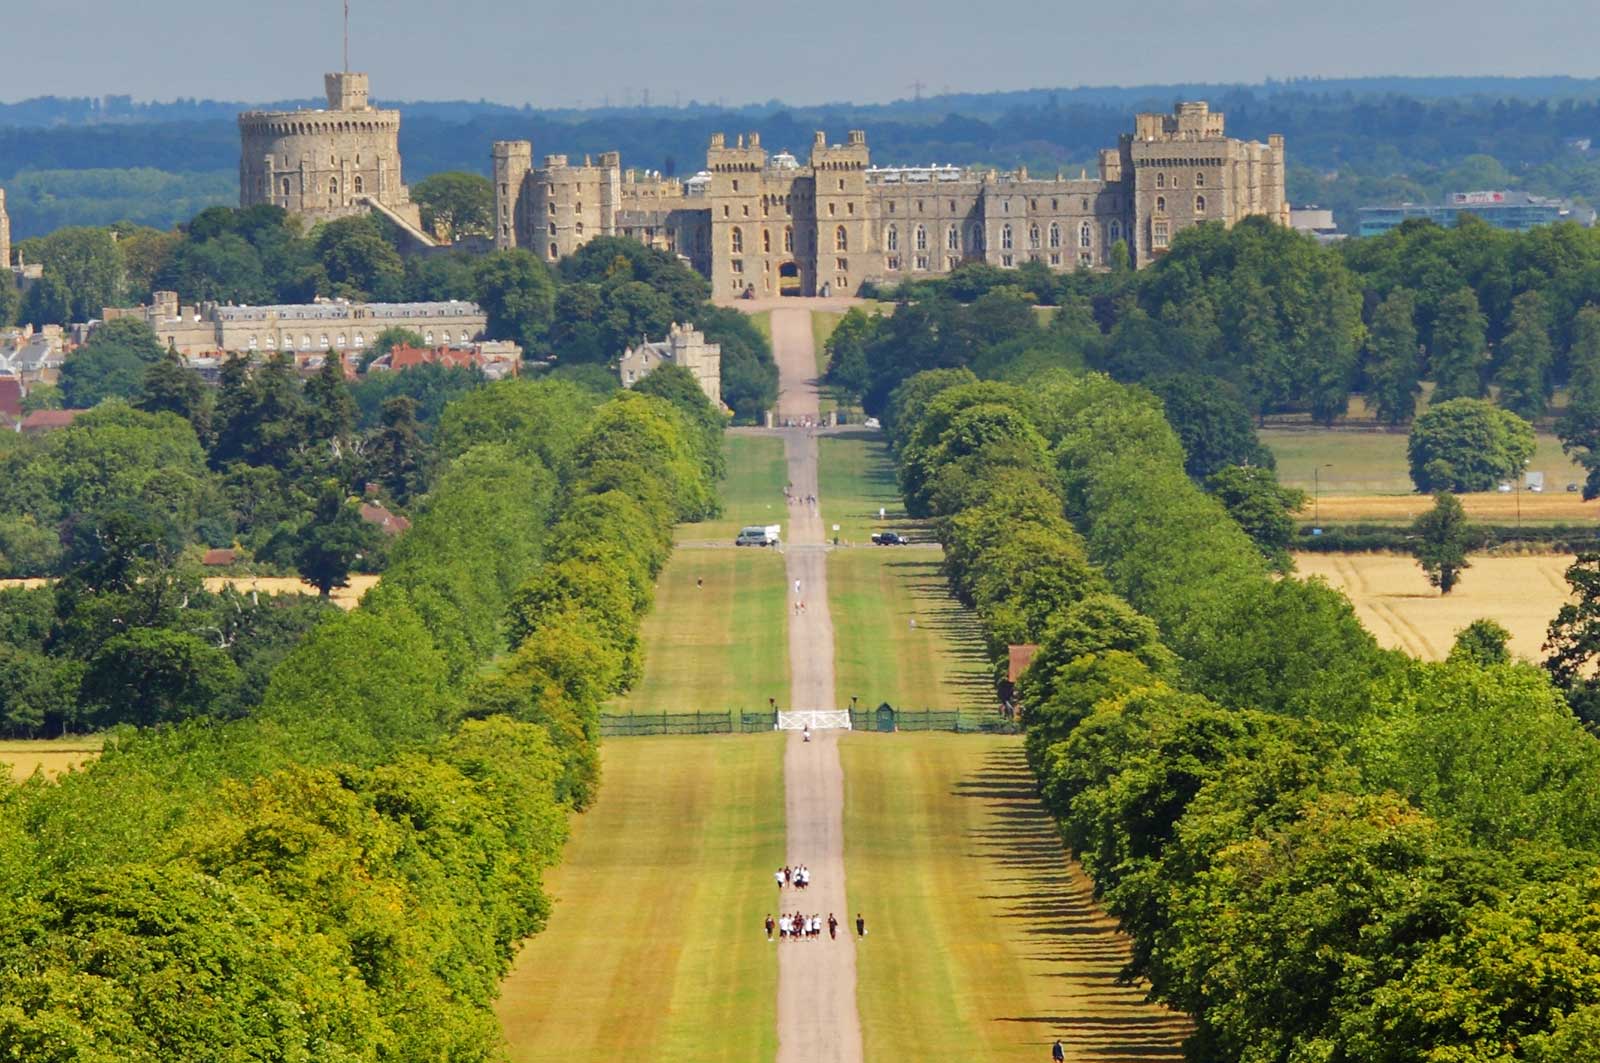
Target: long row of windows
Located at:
point(841, 240)
point(341, 341)
point(1199, 204)
point(1161, 179)
point(333, 186)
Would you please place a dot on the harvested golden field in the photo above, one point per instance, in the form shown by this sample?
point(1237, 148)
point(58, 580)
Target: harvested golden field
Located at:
point(49, 755)
point(1395, 602)
point(1489, 507)
point(348, 598)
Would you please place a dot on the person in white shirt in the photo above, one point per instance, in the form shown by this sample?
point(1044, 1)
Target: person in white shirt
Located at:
point(778, 874)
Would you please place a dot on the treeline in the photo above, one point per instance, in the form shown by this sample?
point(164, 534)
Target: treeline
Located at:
point(1320, 849)
point(1276, 322)
point(612, 294)
point(345, 873)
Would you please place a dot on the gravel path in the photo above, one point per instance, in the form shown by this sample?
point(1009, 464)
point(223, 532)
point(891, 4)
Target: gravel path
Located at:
point(817, 1017)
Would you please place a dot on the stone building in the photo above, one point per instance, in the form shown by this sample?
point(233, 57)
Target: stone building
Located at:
point(325, 164)
point(771, 224)
point(685, 345)
point(325, 325)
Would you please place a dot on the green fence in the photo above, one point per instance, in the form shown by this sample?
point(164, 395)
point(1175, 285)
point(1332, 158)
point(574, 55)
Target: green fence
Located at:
point(882, 720)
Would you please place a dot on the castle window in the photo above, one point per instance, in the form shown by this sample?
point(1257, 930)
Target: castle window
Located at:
point(285, 186)
point(788, 237)
point(1005, 238)
point(766, 240)
point(842, 265)
point(1161, 204)
point(745, 210)
point(952, 239)
point(738, 265)
point(1055, 204)
point(358, 185)
point(833, 208)
point(333, 186)
point(841, 240)
point(1033, 204)
point(361, 340)
point(725, 209)
point(952, 206)
point(736, 184)
point(841, 184)
point(1199, 180)
point(922, 262)
point(922, 238)
point(552, 228)
point(554, 254)
point(427, 337)
point(1033, 237)
point(1116, 230)
point(252, 343)
point(1085, 236)
point(1055, 258)
point(736, 240)
point(1005, 260)
point(305, 343)
point(1005, 206)
point(339, 342)
point(1158, 234)
point(891, 206)
point(1161, 179)
point(919, 206)
point(976, 243)
point(1055, 235)
point(1199, 204)
point(893, 262)
point(891, 239)
point(325, 344)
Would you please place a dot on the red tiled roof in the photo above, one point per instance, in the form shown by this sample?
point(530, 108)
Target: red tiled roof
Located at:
point(220, 556)
point(405, 356)
point(11, 396)
point(388, 523)
point(1020, 657)
point(45, 420)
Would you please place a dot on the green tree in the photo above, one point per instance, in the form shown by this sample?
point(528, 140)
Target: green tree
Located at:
point(1579, 427)
point(1525, 357)
point(154, 676)
point(387, 340)
point(1482, 642)
point(112, 364)
point(1264, 508)
point(1572, 642)
point(1441, 541)
point(333, 540)
point(88, 262)
point(169, 386)
point(455, 205)
point(42, 397)
point(330, 410)
point(359, 262)
point(1214, 426)
point(397, 456)
point(1394, 367)
point(1480, 443)
point(48, 301)
point(1459, 347)
point(518, 294)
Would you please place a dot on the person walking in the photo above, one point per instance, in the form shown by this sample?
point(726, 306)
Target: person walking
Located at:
point(779, 875)
point(861, 926)
point(797, 588)
point(833, 927)
point(1057, 1053)
point(770, 925)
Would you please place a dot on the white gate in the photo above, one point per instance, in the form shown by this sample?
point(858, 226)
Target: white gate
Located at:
point(817, 720)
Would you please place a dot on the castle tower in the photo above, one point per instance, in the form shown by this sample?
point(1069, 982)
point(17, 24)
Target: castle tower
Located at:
point(513, 161)
point(325, 164)
point(5, 236)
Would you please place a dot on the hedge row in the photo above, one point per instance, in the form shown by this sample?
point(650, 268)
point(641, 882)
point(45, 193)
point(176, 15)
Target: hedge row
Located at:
point(1322, 851)
point(345, 874)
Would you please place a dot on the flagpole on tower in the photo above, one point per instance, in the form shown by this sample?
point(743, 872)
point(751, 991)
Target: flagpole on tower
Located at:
point(347, 36)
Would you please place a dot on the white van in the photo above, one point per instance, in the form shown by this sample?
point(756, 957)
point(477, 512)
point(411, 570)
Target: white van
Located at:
point(758, 535)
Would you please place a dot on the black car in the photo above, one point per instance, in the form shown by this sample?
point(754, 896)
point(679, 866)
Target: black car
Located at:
point(889, 539)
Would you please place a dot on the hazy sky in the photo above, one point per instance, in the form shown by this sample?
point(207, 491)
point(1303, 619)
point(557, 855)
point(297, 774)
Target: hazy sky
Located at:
point(581, 51)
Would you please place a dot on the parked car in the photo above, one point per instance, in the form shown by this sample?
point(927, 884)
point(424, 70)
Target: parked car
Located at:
point(889, 539)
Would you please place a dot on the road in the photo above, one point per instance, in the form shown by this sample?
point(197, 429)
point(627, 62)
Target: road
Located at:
point(818, 1021)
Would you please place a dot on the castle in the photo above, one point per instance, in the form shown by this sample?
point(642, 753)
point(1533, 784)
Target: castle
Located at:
point(763, 225)
point(766, 225)
point(325, 164)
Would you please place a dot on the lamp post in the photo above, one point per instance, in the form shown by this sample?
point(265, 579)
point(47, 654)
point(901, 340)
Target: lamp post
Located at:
point(1316, 493)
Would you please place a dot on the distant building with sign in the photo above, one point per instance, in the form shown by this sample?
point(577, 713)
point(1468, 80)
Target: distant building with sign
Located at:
point(1513, 211)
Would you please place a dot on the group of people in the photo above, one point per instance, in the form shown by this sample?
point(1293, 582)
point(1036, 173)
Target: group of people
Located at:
point(798, 500)
point(801, 927)
point(798, 926)
point(798, 876)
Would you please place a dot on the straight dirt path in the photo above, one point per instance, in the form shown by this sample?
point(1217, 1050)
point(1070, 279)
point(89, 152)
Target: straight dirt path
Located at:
point(817, 1017)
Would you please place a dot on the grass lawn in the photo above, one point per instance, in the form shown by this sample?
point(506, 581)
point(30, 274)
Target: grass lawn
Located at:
point(1374, 463)
point(752, 492)
point(873, 595)
point(855, 477)
point(983, 941)
point(763, 323)
point(49, 755)
point(655, 949)
point(723, 646)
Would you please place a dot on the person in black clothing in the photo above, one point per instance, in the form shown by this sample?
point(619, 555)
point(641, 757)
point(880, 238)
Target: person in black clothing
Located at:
point(1058, 1054)
point(833, 927)
point(861, 926)
point(770, 925)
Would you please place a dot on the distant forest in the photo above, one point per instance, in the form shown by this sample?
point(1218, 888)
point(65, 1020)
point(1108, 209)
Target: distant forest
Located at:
point(1351, 142)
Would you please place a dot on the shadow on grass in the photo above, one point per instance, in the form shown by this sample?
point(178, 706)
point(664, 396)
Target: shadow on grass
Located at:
point(1046, 905)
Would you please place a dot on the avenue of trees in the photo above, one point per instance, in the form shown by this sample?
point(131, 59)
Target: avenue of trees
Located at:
point(1322, 850)
point(342, 867)
point(581, 316)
